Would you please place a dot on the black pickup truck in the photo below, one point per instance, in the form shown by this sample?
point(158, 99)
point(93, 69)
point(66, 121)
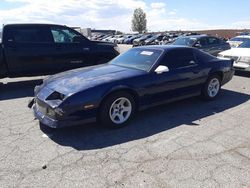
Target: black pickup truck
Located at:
point(37, 49)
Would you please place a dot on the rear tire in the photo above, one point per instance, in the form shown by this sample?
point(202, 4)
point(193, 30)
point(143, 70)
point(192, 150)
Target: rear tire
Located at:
point(117, 110)
point(212, 87)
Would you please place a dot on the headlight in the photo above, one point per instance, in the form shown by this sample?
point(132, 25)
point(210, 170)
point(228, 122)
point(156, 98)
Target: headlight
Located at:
point(51, 112)
point(116, 48)
point(244, 59)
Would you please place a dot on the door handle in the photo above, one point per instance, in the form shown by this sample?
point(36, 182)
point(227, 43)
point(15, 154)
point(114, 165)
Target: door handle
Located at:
point(85, 49)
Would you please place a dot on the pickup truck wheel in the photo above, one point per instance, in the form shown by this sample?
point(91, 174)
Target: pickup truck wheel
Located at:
point(212, 87)
point(117, 110)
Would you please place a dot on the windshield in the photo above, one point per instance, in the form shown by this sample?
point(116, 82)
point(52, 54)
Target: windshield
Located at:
point(185, 41)
point(142, 59)
point(245, 44)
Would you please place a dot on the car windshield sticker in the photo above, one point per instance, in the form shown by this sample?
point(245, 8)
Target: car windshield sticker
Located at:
point(146, 53)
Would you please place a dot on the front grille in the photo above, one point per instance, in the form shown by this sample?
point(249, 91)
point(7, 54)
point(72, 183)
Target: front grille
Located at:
point(45, 109)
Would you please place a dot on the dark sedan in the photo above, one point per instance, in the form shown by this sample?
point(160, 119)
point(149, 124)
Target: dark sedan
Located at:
point(137, 79)
point(152, 40)
point(130, 40)
point(141, 41)
point(209, 44)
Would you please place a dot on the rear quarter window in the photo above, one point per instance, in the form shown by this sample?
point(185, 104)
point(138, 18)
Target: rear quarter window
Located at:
point(202, 57)
point(178, 58)
point(30, 34)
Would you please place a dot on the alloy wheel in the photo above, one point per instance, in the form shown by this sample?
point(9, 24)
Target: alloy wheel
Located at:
point(213, 87)
point(120, 110)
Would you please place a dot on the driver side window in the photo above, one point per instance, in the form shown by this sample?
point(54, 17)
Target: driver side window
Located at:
point(178, 58)
point(202, 42)
point(63, 35)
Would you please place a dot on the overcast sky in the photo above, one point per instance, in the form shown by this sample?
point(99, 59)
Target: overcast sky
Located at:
point(117, 14)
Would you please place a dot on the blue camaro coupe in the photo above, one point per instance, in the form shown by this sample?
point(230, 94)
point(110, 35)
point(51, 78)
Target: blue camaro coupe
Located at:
point(135, 80)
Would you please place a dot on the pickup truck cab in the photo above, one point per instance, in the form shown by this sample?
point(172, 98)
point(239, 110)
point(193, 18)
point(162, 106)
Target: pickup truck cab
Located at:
point(37, 49)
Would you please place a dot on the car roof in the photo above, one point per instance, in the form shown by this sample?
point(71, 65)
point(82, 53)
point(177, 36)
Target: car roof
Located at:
point(243, 36)
point(33, 24)
point(194, 36)
point(164, 47)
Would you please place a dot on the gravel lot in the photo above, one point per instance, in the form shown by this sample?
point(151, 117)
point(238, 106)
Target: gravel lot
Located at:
point(191, 143)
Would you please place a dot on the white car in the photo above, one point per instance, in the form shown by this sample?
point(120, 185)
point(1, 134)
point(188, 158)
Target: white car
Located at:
point(236, 41)
point(240, 55)
point(115, 38)
point(107, 39)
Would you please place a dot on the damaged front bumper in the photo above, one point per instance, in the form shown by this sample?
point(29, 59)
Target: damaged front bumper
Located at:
point(45, 119)
point(46, 108)
point(54, 123)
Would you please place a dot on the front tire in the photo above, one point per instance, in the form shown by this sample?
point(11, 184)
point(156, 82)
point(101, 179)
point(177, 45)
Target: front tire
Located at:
point(117, 109)
point(212, 87)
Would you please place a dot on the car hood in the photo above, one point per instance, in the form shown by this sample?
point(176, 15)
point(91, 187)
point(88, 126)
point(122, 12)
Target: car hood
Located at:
point(77, 80)
point(236, 52)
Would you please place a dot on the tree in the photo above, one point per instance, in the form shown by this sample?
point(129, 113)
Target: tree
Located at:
point(139, 21)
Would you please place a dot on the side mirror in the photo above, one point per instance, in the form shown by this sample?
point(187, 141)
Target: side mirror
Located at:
point(161, 68)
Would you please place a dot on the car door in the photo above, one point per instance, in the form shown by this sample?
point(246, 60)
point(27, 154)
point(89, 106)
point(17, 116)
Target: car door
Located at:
point(71, 49)
point(28, 49)
point(183, 79)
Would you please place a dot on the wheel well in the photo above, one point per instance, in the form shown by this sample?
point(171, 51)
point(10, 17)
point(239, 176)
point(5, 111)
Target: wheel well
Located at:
point(130, 91)
point(219, 73)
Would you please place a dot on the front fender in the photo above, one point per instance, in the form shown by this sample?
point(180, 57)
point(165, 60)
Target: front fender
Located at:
point(93, 97)
point(121, 88)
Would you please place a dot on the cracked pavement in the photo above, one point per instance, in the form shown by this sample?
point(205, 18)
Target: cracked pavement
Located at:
point(190, 143)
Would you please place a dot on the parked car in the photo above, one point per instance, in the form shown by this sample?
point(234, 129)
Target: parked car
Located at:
point(209, 44)
point(103, 37)
point(152, 40)
point(121, 39)
point(107, 39)
point(115, 38)
point(141, 41)
point(162, 41)
point(236, 41)
point(240, 55)
point(245, 33)
point(130, 40)
point(97, 37)
point(138, 79)
point(36, 49)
